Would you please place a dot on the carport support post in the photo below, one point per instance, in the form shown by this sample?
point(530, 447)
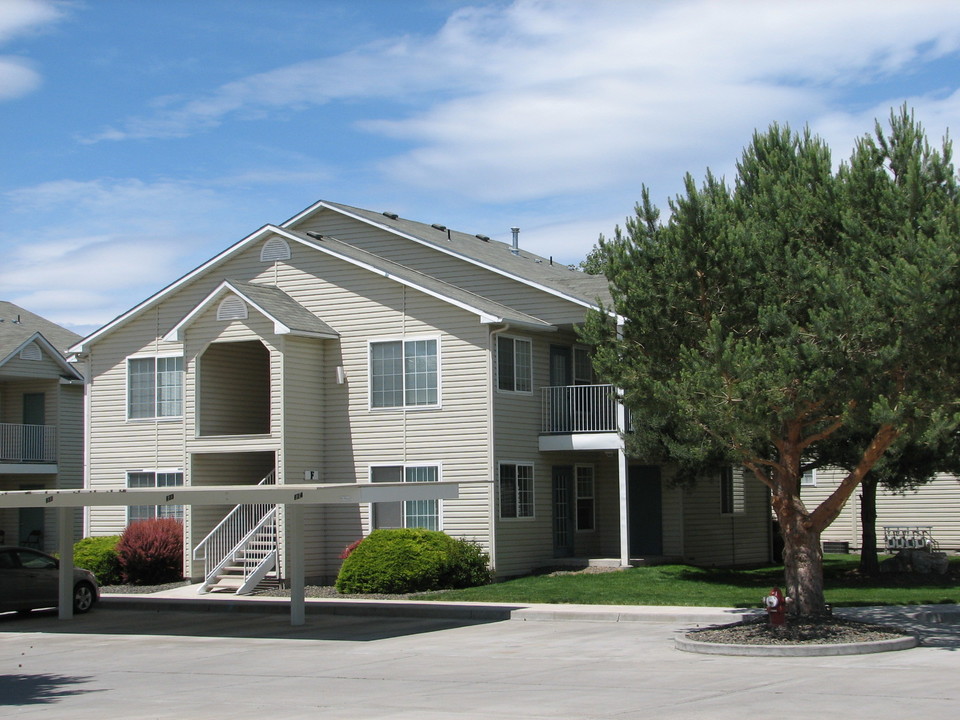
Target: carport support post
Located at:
point(294, 543)
point(65, 550)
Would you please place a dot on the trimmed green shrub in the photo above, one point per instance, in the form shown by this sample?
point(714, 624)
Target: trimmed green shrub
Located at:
point(411, 560)
point(151, 552)
point(99, 556)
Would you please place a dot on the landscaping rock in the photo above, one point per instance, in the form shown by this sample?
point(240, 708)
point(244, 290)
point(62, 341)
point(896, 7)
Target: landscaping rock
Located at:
point(916, 560)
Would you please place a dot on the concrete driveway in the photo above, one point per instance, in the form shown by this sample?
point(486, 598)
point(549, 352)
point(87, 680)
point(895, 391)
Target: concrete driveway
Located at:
point(124, 663)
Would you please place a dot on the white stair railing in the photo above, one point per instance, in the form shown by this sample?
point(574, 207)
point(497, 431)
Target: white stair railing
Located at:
point(224, 543)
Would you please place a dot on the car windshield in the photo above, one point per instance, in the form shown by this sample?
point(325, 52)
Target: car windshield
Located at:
point(35, 561)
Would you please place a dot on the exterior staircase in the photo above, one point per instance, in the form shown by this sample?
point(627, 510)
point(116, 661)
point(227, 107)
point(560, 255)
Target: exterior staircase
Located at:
point(240, 553)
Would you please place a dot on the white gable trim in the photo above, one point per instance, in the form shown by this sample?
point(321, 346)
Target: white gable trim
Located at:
point(485, 317)
point(47, 347)
point(492, 268)
point(84, 345)
point(279, 327)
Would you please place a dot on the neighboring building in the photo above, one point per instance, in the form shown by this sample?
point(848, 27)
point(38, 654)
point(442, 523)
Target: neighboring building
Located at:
point(932, 508)
point(41, 421)
point(352, 346)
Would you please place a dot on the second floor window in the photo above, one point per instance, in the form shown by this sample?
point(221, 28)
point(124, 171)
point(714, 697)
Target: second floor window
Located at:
point(154, 387)
point(404, 373)
point(514, 364)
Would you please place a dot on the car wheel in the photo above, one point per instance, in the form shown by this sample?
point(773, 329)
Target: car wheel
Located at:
point(82, 597)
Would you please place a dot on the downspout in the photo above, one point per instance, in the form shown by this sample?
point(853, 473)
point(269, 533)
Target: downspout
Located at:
point(491, 445)
point(623, 470)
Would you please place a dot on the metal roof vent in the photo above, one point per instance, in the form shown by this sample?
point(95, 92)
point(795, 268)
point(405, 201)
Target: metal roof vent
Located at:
point(438, 226)
point(516, 240)
point(274, 249)
point(31, 352)
point(485, 238)
point(392, 216)
point(232, 308)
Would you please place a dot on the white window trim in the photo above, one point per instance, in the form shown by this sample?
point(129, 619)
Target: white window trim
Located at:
point(155, 472)
point(404, 408)
point(126, 389)
point(738, 488)
point(405, 465)
point(496, 378)
point(577, 497)
point(812, 482)
point(533, 491)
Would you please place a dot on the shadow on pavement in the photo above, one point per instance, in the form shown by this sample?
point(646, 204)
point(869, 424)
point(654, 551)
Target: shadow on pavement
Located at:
point(215, 622)
point(39, 689)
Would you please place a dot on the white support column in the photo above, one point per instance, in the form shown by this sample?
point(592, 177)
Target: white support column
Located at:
point(294, 548)
point(623, 474)
point(65, 549)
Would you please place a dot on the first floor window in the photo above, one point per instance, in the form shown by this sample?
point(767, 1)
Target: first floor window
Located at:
point(148, 479)
point(585, 500)
point(516, 490)
point(404, 373)
point(154, 387)
point(732, 491)
point(407, 513)
point(514, 364)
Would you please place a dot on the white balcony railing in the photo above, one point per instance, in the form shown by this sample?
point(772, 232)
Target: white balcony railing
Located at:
point(28, 443)
point(579, 409)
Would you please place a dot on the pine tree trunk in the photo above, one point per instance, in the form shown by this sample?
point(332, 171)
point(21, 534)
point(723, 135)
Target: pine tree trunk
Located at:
point(802, 560)
point(869, 563)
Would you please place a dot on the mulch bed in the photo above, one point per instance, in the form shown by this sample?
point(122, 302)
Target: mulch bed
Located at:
point(813, 631)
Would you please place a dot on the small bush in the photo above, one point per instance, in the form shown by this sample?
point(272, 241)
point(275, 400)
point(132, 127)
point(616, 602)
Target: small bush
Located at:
point(99, 556)
point(411, 560)
point(151, 552)
point(469, 566)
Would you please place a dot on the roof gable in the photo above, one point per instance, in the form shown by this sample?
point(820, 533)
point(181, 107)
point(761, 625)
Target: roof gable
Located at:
point(288, 316)
point(523, 266)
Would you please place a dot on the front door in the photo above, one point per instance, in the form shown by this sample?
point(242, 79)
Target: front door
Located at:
point(34, 417)
point(563, 507)
point(646, 516)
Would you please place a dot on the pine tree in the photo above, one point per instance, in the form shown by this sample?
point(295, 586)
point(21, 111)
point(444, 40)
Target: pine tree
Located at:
point(763, 322)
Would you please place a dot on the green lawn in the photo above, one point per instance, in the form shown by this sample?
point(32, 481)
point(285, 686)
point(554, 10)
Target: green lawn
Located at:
point(717, 587)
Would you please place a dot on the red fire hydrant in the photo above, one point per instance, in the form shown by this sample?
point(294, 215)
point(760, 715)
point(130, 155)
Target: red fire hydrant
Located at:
point(776, 606)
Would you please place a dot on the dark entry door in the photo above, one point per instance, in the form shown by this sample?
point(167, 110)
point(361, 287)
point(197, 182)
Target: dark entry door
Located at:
point(563, 506)
point(646, 514)
point(34, 417)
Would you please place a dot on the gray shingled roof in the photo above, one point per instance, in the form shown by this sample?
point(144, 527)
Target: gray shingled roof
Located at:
point(18, 325)
point(280, 306)
point(526, 265)
point(422, 280)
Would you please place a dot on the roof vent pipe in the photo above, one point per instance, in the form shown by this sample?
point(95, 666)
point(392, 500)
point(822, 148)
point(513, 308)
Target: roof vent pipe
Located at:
point(516, 240)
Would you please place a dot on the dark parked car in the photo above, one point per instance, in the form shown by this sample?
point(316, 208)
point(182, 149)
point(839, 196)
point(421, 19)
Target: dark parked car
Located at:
point(30, 579)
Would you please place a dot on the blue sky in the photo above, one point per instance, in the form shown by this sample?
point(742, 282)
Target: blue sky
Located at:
point(139, 139)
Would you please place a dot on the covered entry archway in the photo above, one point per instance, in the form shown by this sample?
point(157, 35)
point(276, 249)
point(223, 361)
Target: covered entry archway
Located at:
point(293, 497)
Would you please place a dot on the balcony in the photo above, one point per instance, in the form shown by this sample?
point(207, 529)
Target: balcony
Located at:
point(28, 443)
point(579, 417)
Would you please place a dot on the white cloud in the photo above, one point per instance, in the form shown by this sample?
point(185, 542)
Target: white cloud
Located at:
point(555, 96)
point(18, 77)
point(113, 243)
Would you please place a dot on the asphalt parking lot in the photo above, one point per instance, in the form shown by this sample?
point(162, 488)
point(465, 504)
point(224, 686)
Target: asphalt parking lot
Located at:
point(124, 663)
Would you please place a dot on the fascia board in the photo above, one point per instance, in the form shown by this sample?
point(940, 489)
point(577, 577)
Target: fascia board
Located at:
point(49, 349)
point(453, 253)
point(485, 317)
point(82, 346)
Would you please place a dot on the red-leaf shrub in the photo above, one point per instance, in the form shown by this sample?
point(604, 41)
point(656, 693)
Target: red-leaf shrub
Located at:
point(151, 552)
point(345, 553)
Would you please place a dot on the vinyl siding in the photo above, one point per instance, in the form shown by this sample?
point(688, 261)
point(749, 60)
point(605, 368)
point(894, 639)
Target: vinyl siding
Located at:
point(316, 422)
point(713, 538)
point(446, 267)
point(936, 503)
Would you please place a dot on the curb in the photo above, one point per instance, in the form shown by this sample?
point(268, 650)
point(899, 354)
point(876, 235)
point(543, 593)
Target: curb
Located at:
point(861, 648)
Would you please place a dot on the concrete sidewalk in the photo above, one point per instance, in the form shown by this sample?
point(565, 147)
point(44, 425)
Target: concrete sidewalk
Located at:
point(927, 617)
